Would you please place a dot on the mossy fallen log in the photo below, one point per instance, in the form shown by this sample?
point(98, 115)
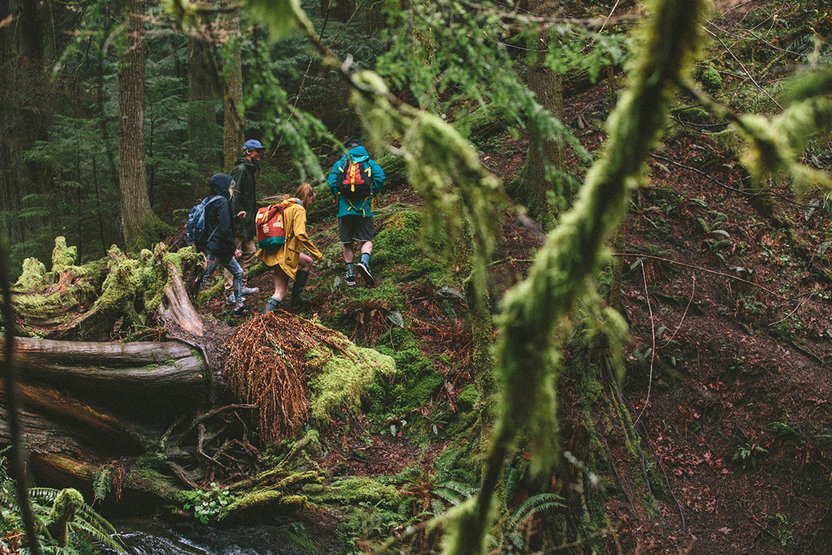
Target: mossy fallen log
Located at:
point(163, 370)
point(115, 295)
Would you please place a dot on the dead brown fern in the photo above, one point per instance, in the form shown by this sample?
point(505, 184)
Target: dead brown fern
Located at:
point(268, 365)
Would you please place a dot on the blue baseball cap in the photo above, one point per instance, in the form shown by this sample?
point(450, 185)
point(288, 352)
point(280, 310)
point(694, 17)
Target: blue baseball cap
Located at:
point(355, 141)
point(253, 144)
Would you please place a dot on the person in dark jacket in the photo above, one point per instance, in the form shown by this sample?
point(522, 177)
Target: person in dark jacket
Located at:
point(244, 209)
point(220, 249)
point(355, 216)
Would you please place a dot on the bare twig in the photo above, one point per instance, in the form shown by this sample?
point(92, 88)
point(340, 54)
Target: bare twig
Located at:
point(692, 293)
point(796, 308)
point(745, 69)
point(609, 16)
point(652, 350)
point(700, 268)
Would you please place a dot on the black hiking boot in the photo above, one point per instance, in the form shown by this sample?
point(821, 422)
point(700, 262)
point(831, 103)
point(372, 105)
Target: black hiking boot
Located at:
point(273, 304)
point(350, 280)
point(366, 274)
point(241, 311)
point(298, 302)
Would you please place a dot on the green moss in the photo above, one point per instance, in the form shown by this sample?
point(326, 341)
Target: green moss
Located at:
point(271, 498)
point(417, 378)
point(344, 379)
point(33, 275)
point(468, 397)
point(63, 256)
point(710, 78)
point(354, 490)
point(402, 242)
point(66, 505)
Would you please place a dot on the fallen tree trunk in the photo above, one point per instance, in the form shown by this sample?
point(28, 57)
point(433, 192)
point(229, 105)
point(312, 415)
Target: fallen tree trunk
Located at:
point(108, 428)
point(162, 370)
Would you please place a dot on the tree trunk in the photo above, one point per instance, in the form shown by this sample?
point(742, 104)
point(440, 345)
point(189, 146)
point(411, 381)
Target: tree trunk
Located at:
point(135, 202)
point(203, 88)
point(545, 156)
point(232, 91)
point(24, 112)
point(155, 372)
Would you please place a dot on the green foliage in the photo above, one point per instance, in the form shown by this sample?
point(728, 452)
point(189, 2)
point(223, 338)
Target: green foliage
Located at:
point(102, 484)
point(747, 452)
point(526, 358)
point(66, 522)
point(208, 504)
point(784, 531)
point(534, 505)
point(417, 378)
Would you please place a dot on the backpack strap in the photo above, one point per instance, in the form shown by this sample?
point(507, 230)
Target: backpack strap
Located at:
point(216, 227)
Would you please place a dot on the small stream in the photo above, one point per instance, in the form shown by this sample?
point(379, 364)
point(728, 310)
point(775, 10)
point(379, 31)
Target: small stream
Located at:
point(154, 537)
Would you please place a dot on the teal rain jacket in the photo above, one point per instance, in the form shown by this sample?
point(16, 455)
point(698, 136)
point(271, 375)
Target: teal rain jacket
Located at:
point(362, 207)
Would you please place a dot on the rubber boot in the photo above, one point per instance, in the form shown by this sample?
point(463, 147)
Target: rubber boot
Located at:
point(298, 302)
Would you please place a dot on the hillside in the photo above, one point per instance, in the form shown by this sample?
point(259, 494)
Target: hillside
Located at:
point(368, 419)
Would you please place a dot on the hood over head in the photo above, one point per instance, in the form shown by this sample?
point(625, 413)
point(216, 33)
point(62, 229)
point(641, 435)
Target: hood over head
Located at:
point(219, 183)
point(359, 154)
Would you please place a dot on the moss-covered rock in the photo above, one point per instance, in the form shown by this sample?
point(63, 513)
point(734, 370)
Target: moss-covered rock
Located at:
point(344, 379)
point(417, 378)
point(402, 245)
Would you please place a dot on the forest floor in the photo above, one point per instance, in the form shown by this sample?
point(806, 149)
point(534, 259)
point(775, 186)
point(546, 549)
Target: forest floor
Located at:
point(727, 293)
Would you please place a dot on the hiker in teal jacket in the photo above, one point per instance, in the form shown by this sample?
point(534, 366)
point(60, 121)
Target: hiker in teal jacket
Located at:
point(355, 215)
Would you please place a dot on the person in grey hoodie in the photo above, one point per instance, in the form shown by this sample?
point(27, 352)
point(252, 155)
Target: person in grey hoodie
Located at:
point(355, 211)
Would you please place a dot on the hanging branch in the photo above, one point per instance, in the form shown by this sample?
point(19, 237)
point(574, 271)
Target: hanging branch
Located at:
point(17, 460)
point(571, 253)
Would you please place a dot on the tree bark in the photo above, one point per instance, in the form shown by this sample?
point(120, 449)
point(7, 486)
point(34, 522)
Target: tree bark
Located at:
point(24, 112)
point(163, 371)
point(203, 94)
point(135, 202)
point(544, 155)
point(232, 91)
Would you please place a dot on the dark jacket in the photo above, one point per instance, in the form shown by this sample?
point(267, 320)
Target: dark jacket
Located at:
point(218, 223)
point(245, 197)
point(362, 207)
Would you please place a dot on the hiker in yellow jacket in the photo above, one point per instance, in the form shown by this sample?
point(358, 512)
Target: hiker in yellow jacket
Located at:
point(287, 261)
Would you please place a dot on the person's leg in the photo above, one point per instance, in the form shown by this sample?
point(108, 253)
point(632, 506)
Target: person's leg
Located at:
point(248, 248)
point(281, 283)
point(366, 252)
point(346, 236)
point(240, 309)
point(365, 232)
point(229, 277)
point(301, 277)
point(210, 266)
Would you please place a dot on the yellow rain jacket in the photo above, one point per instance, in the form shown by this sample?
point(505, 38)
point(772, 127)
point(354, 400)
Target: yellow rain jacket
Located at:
point(288, 255)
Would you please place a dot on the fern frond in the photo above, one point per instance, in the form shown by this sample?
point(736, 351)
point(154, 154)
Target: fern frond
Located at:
point(95, 533)
point(535, 504)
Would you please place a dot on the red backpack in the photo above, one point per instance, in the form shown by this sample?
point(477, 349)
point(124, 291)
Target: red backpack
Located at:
point(357, 181)
point(269, 226)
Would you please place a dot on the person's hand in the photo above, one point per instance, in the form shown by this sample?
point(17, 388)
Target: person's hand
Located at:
point(241, 214)
point(238, 253)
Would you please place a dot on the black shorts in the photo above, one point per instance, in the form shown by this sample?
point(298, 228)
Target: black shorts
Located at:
point(353, 229)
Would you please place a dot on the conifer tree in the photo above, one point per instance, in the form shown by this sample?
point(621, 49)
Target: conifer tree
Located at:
point(136, 212)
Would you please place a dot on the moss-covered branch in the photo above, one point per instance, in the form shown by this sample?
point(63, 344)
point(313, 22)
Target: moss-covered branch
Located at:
point(534, 308)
